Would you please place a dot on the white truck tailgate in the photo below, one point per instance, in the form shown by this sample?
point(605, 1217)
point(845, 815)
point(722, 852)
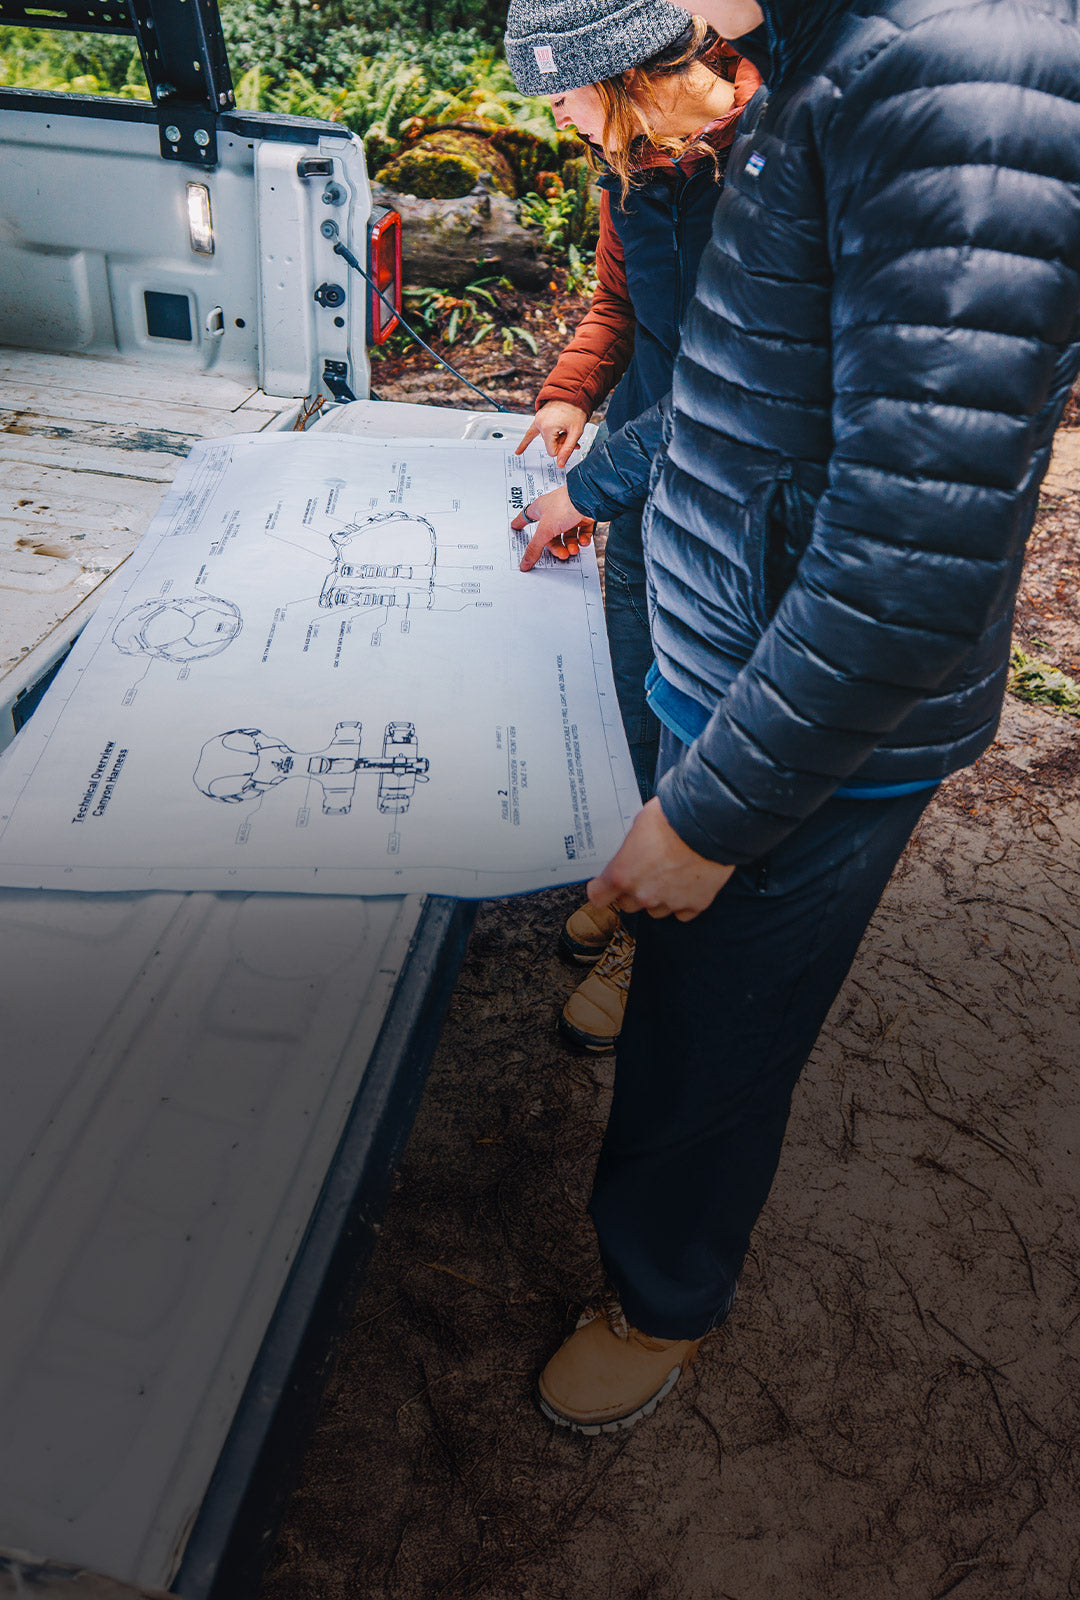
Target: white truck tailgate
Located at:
point(189, 1063)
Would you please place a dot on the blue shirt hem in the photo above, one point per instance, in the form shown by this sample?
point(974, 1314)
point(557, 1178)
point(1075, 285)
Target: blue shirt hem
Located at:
point(687, 718)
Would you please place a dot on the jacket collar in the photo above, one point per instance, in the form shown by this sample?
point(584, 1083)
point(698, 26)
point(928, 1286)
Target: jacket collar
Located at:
point(790, 31)
point(655, 167)
point(717, 134)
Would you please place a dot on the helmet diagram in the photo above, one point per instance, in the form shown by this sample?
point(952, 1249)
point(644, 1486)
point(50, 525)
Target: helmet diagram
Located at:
point(382, 564)
point(385, 561)
point(243, 764)
point(179, 628)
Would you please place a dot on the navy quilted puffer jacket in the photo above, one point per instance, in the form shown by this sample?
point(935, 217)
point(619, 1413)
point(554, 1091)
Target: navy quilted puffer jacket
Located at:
point(882, 341)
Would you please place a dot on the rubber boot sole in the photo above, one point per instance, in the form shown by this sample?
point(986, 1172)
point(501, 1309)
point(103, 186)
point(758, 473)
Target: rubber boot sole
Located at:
point(616, 1424)
point(593, 1043)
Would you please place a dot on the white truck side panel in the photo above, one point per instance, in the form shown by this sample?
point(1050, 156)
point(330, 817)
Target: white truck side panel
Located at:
point(91, 217)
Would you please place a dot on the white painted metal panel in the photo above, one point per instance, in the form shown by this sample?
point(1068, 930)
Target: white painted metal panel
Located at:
point(115, 224)
point(178, 1073)
point(177, 1070)
point(297, 334)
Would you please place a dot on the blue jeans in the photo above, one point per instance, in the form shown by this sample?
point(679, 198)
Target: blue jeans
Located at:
point(722, 1014)
point(626, 610)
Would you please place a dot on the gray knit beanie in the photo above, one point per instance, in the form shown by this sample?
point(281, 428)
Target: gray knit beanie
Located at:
point(556, 45)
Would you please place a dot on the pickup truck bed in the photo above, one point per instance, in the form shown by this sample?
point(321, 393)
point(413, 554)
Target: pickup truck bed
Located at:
point(87, 446)
point(204, 1095)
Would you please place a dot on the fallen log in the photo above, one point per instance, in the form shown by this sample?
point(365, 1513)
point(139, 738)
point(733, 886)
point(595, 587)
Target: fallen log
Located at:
point(448, 243)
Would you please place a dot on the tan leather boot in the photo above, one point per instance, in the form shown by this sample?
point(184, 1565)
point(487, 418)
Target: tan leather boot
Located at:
point(592, 1018)
point(586, 933)
point(608, 1376)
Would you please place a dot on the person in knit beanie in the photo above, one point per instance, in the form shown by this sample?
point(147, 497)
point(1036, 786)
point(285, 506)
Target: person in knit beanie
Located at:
point(657, 96)
point(556, 45)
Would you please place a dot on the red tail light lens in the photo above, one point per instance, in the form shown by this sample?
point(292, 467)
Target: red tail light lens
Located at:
point(384, 266)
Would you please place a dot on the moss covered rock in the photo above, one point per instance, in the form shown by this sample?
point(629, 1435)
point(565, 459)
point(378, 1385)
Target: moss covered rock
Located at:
point(430, 174)
point(446, 163)
point(526, 154)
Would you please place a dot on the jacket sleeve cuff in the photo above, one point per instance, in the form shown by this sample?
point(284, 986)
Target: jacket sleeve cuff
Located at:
point(712, 819)
point(585, 392)
point(555, 391)
point(615, 476)
point(586, 495)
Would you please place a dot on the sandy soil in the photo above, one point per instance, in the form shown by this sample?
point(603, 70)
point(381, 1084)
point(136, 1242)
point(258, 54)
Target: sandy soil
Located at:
point(892, 1409)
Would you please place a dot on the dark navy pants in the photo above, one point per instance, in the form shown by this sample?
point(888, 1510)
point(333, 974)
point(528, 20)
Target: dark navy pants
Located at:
point(723, 1012)
point(626, 610)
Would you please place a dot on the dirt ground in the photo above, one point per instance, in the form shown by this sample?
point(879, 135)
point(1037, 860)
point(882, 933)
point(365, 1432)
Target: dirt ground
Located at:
point(893, 1408)
point(401, 371)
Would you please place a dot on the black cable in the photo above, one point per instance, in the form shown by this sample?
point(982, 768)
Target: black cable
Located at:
point(347, 255)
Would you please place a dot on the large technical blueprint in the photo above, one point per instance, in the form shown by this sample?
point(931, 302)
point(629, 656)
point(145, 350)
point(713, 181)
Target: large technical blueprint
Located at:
point(325, 673)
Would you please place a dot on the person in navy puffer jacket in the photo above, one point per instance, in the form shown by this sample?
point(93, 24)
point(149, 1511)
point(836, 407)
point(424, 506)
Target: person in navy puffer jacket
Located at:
point(885, 331)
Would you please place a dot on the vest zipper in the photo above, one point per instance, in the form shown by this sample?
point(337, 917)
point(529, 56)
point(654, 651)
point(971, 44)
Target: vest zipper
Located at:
point(680, 255)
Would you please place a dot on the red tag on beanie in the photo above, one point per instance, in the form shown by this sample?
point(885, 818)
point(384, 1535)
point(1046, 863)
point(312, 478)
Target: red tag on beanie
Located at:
point(545, 58)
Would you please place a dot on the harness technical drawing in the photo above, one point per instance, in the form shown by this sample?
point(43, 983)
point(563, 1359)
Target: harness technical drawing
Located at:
point(388, 560)
point(245, 763)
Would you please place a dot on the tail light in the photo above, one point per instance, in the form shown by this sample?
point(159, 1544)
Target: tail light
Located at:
point(384, 266)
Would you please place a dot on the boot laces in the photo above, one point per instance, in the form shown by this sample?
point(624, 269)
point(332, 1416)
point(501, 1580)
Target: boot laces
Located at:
point(617, 960)
point(610, 1308)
